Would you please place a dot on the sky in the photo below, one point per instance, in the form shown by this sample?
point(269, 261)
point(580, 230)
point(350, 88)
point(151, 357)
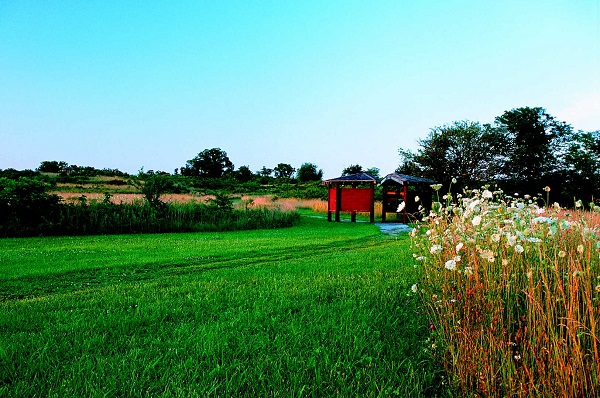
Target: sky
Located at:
point(150, 84)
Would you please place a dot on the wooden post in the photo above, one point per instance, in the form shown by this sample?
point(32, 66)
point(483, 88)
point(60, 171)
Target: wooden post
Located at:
point(385, 199)
point(405, 191)
point(372, 202)
point(338, 201)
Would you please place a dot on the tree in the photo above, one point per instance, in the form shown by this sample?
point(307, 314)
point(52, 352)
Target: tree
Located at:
point(243, 174)
point(52, 166)
point(535, 142)
point(210, 163)
point(265, 172)
point(581, 167)
point(373, 172)
point(308, 172)
point(284, 171)
point(408, 165)
point(352, 169)
point(462, 149)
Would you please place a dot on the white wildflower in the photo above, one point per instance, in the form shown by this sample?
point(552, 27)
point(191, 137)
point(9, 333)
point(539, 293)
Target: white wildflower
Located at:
point(450, 265)
point(512, 239)
point(476, 221)
point(401, 207)
point(414, 288)
point(459, 247)
point(487, 194)
point(519, 249)
point(435, 248)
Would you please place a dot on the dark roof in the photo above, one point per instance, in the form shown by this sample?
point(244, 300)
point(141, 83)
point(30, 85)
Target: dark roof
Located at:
point(404, 179)
point(360, 177)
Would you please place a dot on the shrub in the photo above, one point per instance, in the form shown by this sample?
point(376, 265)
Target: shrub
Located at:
point(25, 206)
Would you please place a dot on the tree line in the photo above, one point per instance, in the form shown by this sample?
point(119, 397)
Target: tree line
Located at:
point(524, 151)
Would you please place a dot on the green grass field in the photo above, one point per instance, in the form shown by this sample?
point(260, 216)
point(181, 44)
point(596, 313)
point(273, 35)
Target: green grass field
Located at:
point(320, 309)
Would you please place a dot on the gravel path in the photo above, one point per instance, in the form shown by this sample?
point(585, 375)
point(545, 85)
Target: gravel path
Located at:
point(393, 228)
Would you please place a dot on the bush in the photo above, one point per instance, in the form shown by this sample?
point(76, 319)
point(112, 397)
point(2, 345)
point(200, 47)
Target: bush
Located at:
point(25, 206)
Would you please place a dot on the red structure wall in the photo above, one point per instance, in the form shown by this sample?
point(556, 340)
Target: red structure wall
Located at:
point(353, 199)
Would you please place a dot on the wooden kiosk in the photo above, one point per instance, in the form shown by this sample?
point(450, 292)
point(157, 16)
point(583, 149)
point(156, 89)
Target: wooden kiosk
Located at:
point(352, 193)
point(396, 190)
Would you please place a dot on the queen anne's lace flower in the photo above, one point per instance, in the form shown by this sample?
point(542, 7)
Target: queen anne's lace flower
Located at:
point(450, 265)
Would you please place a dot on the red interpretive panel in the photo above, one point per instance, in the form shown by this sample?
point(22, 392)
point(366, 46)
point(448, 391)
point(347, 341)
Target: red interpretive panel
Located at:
point(353, 199)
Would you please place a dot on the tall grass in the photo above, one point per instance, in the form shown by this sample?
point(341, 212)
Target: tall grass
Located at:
point(512, 290)
point(141, 217)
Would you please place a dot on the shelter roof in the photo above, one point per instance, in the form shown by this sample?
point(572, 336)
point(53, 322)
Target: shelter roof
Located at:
point(360, 177)
point(404, 179)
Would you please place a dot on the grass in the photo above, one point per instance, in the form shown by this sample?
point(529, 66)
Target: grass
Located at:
point(320, 309)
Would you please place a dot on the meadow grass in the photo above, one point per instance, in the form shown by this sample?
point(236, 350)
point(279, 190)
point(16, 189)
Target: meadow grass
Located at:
point(513, 291)
point(319, 309)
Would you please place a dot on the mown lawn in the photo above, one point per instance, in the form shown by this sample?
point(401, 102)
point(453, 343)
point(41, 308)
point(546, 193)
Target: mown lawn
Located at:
point(320, 309)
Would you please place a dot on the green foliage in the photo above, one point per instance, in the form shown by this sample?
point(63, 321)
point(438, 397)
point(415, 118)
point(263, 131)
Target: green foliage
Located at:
point(535, 142)
point(352, 169)
point(210, 163)
point(108, 218)
point(525, 150)
point(463, 149)
point(308, 172)
point(52, 166)
point(153, 187)
point(581, 167)
point(243, 174)
point(25, 206)
point(309, 190)
point(26, 209)
point(315, 310)
point(373, 171)
point(222, 202)
point(13, 174)
point(284, 171)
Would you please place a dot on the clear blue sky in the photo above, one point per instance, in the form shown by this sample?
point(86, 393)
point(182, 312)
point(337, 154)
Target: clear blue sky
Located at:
point(132, 84)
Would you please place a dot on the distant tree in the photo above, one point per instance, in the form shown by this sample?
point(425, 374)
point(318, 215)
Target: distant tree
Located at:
point(52, 166)
point(264, 172)
point(408, 165)
point(373, 171)
point(284, 171)
point(581, 167)
point(243, 174)
point(462, 149)
point(535, 142)
point(211, 163)
point(309, 172)
point(352, 169)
